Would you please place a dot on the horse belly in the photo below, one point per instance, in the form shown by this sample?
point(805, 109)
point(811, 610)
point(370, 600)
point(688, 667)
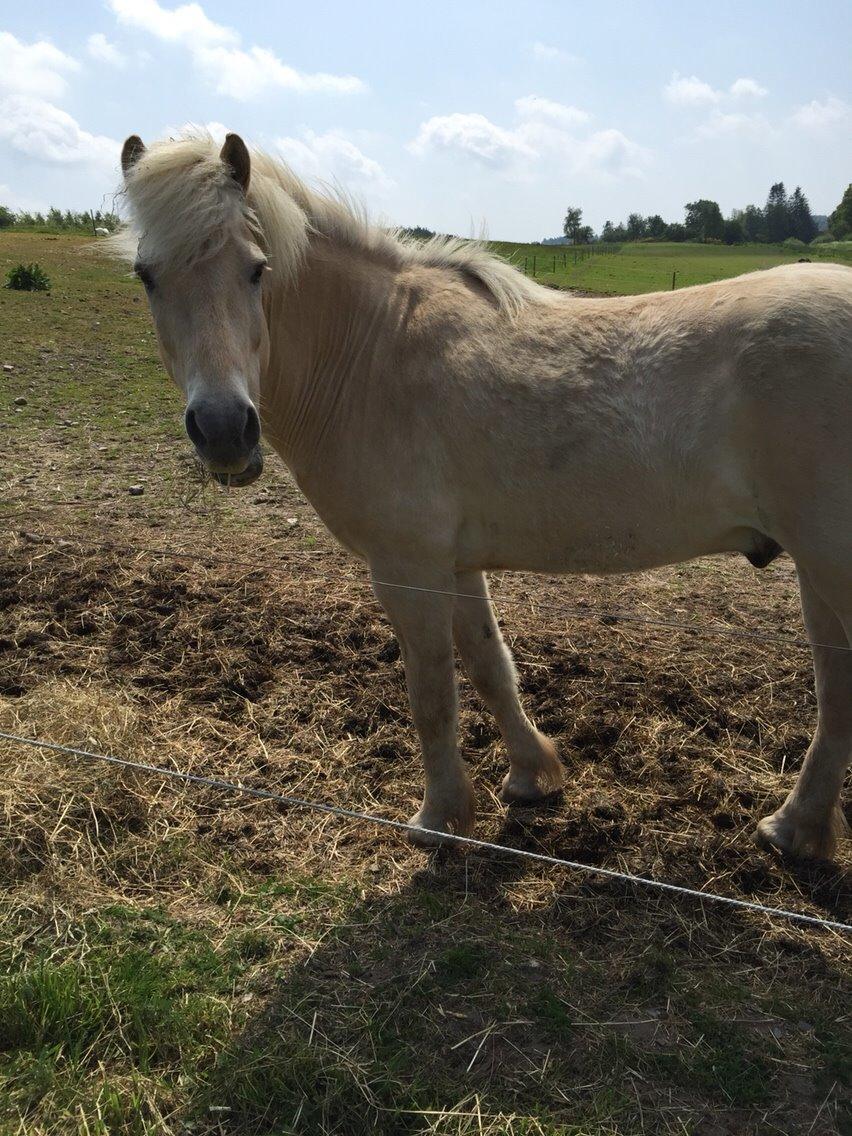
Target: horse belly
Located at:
point(636, 524)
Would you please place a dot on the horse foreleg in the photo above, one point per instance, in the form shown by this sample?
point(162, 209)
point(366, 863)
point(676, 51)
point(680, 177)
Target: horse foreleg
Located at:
point(423, 624)
point(810, 821)
point(534, 769)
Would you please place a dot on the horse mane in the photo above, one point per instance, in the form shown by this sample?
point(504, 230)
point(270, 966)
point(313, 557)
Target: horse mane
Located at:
point(184, 203)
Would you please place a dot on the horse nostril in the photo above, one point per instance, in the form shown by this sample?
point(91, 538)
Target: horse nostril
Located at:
point(196, 434)
point(251, 430)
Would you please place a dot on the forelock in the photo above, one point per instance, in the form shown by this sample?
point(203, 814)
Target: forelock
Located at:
point(183, 202)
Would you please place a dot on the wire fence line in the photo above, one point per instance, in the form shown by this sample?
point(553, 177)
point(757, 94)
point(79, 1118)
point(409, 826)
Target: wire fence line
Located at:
point(607, 617)
point(444, 837)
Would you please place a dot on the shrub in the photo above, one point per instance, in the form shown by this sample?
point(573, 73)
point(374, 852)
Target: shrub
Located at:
point(794, 243)
point(823, 239)
point(28, 278)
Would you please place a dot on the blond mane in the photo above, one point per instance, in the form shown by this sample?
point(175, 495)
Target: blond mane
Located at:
point(183, 204)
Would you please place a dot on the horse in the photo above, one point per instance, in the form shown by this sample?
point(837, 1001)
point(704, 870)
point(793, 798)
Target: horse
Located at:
point(446, 417)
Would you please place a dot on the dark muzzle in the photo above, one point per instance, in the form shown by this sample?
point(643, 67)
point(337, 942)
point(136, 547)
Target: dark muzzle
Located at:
point(226, 434)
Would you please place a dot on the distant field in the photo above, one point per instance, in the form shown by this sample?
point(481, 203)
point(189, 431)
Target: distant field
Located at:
point(637, 268)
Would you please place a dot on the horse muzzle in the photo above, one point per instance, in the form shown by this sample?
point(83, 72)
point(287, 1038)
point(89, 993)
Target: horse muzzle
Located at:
point(251, 473)
point(226, 434)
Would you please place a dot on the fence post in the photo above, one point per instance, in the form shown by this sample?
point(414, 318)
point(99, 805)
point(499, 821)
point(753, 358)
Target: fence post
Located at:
point(674, 274)
point(533, 265)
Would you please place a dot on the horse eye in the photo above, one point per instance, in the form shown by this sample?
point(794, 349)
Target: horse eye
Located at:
point(257, 274)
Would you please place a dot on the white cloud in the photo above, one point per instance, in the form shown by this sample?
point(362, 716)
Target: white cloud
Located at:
point(531, 106)
point(818, 116)
point(241, 73)
point(247, 74)
point(546, 132)
point(689, 90)
point(13, 200)
point(473, 134)
point(37, 69)
point(43, 131)
point(747, 89)
point(332, 157)
point(720, 125)
point(548, 53)
point(101, 49)
point(611, 152)
point(187, 24)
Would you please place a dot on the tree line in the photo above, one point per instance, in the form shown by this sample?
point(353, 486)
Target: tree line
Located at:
point(784, 217)
point(56, 219)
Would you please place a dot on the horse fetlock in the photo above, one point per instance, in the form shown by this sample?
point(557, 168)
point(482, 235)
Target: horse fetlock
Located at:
point(535, 774)
point(795, 832)
point(447, 810)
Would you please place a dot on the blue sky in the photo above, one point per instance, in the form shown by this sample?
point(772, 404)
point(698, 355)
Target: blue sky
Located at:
point(460, 116)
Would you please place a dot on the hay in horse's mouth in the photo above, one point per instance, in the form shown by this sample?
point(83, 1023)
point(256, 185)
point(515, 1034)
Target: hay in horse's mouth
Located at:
point(251, 473)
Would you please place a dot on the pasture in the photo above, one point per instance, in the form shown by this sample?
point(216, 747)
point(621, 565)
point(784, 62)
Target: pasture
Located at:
point(648, 267)
point(177, 961)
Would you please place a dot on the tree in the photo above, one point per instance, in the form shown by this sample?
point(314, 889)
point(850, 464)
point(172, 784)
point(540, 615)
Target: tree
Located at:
point(704, 220)
point(635, 226)
point(607, 231)
point(676, 232)
point(573, 221)
point(732, 233)
point(655, 227)
point(7, 217)
point(585, 235)
point(777, 214)
point(840, 221)
point(801, 221)
point(754, 223)
point(418, 231)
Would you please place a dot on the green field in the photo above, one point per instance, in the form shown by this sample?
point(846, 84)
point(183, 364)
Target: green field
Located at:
point(648, 267)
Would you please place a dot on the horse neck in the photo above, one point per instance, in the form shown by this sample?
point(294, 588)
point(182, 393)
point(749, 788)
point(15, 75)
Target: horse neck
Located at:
point(329, 331)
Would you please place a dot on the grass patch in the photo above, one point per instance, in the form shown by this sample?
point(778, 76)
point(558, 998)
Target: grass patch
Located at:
point(649, 267)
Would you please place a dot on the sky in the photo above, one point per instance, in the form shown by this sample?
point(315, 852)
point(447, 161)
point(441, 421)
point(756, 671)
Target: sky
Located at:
point(469, 117)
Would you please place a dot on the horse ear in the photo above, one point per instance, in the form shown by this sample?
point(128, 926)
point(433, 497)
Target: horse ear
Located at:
point(131, 152)
point(235, 155)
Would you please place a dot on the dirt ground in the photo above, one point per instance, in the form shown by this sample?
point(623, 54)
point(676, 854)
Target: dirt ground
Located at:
point(349, 983)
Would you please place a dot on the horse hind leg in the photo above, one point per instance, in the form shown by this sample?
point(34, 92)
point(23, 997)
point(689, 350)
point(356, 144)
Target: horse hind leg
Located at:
point(810, 822)
point(534, 770)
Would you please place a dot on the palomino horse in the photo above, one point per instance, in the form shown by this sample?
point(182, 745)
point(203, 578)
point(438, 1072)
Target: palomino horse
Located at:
point(446, 416)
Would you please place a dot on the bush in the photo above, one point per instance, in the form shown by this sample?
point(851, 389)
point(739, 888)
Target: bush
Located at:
point(28, 278)
point(795, 243)
point(823, 239)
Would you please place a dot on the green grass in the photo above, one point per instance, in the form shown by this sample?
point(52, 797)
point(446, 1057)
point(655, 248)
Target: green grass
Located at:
point(648, 267)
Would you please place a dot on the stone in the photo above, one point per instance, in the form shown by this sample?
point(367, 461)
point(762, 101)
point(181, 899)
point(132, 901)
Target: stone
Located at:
point(136, 490)
point(20, 401)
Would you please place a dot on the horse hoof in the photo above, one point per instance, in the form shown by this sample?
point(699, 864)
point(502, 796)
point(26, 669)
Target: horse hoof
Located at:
point(529, 784)
point(801, 839)
point(431, 830)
